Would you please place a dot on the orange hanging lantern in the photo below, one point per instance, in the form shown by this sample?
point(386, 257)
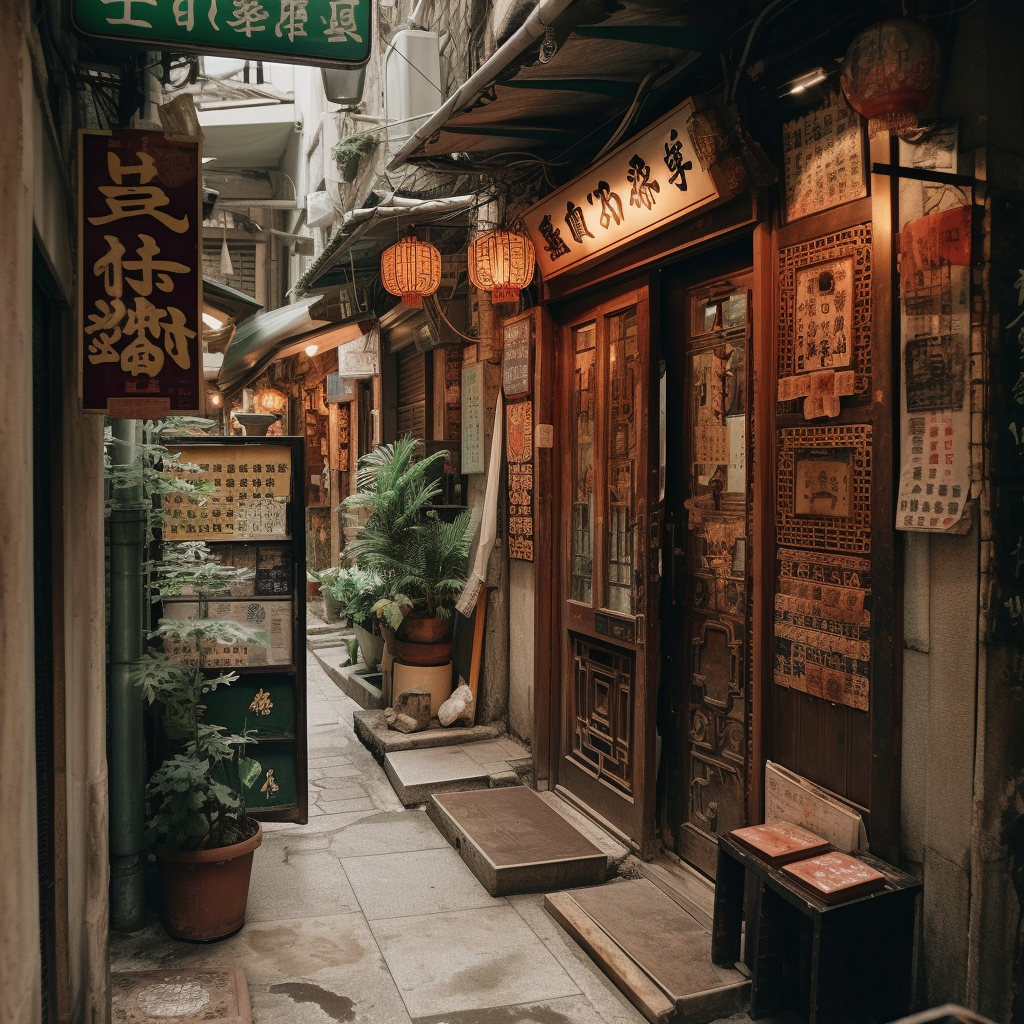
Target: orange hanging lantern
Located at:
point(411, 269)
point(890, 74)
point(502, 263)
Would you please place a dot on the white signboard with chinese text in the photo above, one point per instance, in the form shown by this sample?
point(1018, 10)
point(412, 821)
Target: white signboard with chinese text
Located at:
point(644, 185)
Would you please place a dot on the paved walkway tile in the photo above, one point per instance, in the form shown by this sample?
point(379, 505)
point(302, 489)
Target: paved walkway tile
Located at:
point(409, 884)
point(466, 960)
point(289, 881)
point(367, 916)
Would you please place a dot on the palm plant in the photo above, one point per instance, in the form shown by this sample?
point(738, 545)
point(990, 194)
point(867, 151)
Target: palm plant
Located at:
point(420, 560)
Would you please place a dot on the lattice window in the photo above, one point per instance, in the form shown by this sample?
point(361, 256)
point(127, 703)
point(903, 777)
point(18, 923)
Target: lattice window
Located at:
point(583, 426)
point(622, 457)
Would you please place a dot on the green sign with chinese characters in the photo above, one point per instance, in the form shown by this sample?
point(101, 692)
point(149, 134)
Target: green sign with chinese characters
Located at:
point(322, 32)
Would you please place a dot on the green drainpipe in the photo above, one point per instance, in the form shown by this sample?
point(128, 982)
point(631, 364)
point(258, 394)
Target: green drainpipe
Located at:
point(126, 762)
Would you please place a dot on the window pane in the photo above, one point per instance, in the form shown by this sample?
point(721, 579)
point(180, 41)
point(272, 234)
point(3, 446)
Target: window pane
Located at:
point(622, 460)
point(583, 464)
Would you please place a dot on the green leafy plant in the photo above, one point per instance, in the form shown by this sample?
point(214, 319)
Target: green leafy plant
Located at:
point(196, 797)
point(420, 560)
point(349, 151)
point(356, 592)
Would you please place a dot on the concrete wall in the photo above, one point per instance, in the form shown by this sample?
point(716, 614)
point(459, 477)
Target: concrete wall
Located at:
point(961, 712)
point(19, 923)
point(38, 202)
point(939, 686)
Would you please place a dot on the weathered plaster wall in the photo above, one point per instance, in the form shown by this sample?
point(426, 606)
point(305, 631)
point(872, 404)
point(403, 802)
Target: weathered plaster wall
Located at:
point(939, 676)
point(963, 776)
point(522, 576)
point(19, 922)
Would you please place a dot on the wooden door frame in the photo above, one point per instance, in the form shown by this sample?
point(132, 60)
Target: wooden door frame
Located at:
point(551, 689)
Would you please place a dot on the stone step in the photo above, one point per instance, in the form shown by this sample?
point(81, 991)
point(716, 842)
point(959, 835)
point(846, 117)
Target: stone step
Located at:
point(355, 681)
point(655, 952)
point(416, 775)
point(514, 842)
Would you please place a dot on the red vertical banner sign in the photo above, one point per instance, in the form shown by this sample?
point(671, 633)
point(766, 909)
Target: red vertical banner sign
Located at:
point(139, 273)
point(519, 452)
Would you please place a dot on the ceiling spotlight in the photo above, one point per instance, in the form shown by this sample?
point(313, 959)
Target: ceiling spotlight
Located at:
point(804, 82)
point(311, 350)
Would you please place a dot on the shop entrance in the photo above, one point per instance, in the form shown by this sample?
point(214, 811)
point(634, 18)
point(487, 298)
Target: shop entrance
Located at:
point(705, 696)
point(608, 609)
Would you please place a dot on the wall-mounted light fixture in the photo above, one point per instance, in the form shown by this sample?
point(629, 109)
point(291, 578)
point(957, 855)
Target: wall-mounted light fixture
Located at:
point(310, 350)
point(804, 82)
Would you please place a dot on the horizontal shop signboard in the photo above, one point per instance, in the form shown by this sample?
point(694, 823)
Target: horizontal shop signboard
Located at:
point(322, 32)
point(652, 180)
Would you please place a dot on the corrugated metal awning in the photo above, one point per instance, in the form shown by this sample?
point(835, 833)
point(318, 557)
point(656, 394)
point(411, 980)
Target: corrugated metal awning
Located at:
point(268, 336)
point(587, 92)
point(365, 233)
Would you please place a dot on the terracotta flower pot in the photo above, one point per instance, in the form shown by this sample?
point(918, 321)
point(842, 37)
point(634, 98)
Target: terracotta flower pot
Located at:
point(425, 631)
point(205, 892)
point(424, 654)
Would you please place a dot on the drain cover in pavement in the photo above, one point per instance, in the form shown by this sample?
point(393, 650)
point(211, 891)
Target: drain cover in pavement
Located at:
point(514, 842)
point(180, 997)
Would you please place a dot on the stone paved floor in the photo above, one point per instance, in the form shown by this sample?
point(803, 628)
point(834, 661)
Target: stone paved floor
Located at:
point(366, 915)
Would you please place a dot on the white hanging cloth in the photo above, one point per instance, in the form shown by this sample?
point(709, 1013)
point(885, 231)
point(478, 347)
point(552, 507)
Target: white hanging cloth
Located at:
point(488, 522)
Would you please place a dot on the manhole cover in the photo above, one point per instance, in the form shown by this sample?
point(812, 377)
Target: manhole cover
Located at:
point(180, 997)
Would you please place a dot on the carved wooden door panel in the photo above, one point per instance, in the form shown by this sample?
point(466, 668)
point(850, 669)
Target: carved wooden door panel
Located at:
point(711, 569)
point(605, 752)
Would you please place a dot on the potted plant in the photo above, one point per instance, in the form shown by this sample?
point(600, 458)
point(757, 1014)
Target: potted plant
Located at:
point(434, 577)
point(356, 592)
point(324, 578)
point(197, 825)
point(349, 152)
point(420, 560)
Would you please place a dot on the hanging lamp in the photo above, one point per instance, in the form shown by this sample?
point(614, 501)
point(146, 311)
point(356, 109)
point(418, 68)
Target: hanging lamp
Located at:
point(411, 269)
point(502, 263)
point(891, 73)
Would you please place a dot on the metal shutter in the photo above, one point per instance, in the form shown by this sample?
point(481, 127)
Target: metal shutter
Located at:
point(412, 393)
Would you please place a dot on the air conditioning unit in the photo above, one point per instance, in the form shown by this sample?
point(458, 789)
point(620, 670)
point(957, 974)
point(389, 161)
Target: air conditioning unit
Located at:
point(412, 83)
point(340, 389)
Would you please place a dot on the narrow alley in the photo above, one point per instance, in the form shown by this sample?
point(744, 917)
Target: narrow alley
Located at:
point(341, 927)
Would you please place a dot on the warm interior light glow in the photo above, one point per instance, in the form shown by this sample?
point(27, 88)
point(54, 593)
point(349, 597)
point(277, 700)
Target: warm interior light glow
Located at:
point(502, 263)
point(411, 269)
point(310, 350)
point(215, 399)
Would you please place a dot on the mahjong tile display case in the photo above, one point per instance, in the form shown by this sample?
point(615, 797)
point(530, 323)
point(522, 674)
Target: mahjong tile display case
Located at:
point(255, 518)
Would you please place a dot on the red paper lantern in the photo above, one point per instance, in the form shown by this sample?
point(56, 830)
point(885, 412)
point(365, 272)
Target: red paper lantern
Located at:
point(890, 74)
point(411, 269)
point(502, 263)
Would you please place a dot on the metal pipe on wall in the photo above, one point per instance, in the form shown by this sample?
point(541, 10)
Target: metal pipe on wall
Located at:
point(126, 756)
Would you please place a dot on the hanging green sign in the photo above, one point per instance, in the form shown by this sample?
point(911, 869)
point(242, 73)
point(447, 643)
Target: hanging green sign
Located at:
point(322, 32)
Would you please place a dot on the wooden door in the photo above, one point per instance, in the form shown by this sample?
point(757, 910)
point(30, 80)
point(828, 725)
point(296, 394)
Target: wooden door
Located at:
point(707, 669)
point(606, 728)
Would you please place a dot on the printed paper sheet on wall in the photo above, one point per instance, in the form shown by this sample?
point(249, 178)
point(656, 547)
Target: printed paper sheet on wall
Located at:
point(473, 418)
point(823, 158)
point(272, 618)
point(935, 325)
point(250, 500)
point(519, 453)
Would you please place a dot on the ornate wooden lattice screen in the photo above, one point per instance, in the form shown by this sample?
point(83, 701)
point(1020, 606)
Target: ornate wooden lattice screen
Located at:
point(603, 731)
point(832, 670)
